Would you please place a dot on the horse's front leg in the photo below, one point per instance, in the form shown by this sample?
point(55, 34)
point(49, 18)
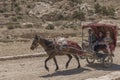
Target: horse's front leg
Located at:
point(54, 58)
point(46, 62)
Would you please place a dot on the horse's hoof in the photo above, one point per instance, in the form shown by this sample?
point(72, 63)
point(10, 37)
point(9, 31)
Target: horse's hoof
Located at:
point(66, 67)
point(47, 69)
point(79, 66)
point(56, 69)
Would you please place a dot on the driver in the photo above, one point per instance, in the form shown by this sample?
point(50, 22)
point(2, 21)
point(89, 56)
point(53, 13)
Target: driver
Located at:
point(91, 39)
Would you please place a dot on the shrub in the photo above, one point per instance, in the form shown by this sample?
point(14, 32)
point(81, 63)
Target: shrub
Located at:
point(73, 27)
point(16, 5)
point(28, 25)
point(95, 0)
point(28, 6)
point(1, 11)
point(111, 11)
point(13, 0)
point(65, 26)
point(10, 26)
point(97, 7)
point(6, 16)
point(50, 27)
point(79, 15)
point(14, 19)
point(17, 26)
point(62, 28)
point(19, 17)
point(60, 17)
point(13, 25)
point(23, 2)
point(13, 4)
point(17, 9)
point(104, 11)
point(77, 1)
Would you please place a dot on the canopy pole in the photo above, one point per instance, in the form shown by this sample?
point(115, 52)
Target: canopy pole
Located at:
point(82, 37)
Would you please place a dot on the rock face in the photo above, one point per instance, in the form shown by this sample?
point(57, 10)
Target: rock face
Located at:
point(40, 9)
point(59, 10)
point(40, 12)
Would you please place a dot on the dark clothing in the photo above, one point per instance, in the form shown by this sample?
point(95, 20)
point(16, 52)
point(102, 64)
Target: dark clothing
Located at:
point(100, 39)
point(98, 47)
point(92, 38)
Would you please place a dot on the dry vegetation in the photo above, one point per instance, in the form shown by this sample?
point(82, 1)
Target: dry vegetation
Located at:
point(20, 20)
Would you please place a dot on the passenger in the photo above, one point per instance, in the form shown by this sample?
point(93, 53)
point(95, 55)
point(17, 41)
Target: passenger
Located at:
point(100, 39)
point(100, 42)
point(108, 40)
point(91, 38)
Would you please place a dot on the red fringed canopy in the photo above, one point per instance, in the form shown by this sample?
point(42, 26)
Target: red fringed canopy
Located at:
point(98, 27)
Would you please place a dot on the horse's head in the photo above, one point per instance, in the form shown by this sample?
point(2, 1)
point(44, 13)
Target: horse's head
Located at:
point(35, 42)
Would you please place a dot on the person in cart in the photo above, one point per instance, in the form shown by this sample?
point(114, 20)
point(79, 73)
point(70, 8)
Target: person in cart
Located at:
point(91, 39)
point(100, 43)
point(108, 41)
point(104, 41)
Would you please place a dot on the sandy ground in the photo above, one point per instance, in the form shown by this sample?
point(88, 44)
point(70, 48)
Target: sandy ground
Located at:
point(33, 69)
point(17, 48)
point(21, 48)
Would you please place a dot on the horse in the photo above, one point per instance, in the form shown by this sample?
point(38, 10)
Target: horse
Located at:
point(52, 50)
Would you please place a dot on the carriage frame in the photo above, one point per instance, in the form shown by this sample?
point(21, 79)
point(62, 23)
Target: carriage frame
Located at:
point(99, 27)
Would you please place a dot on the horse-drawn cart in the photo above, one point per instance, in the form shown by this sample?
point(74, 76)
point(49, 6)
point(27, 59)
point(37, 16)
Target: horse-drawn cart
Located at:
point(70, 48)
point(101, 54)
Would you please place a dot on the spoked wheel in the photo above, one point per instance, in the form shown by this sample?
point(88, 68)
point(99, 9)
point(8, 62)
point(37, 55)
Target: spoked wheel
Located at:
point(90, 59)
point(107, 61)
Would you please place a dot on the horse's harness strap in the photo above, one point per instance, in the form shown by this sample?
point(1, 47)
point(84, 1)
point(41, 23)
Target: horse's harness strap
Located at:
point(54, 44)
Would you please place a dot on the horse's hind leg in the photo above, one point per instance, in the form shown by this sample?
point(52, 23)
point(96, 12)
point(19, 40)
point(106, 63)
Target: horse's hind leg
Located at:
point(56, 64)
point(76, 57)
point(70, 57)
point(46, 62)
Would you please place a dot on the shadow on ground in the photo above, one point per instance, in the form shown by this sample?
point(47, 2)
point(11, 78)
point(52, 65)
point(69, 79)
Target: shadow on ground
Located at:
point(66, 72)
point(98, 66)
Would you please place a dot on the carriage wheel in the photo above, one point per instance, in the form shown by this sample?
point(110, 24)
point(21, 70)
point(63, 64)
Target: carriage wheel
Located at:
point(90, 59)
point(107, 61)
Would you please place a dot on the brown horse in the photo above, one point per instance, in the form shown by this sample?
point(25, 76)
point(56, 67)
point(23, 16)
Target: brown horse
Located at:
point(52, 51)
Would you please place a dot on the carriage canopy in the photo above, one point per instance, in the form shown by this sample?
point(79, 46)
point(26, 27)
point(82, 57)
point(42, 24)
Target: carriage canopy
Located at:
point(99, 27)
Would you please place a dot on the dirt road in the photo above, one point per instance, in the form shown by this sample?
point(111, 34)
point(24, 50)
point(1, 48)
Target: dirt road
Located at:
point(33, 69)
